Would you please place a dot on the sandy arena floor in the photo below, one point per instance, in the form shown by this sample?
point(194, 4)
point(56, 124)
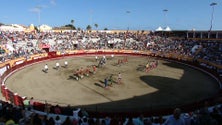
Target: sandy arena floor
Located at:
point(167, 85)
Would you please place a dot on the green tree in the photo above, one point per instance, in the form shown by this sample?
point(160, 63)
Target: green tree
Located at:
point(78, 28)
point(96, 25)
point(105, 28)
point(89, 28)
point(71, 26)
point(36, 29)
point(142, 31)
point(72, 22)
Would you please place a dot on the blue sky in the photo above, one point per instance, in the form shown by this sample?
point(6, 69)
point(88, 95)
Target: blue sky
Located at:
point(114, 14)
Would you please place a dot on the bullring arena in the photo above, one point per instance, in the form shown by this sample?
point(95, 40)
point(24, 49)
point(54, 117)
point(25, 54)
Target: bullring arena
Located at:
point(170, 84)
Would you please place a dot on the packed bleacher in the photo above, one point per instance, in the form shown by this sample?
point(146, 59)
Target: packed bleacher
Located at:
point(205, 54)
point(56, 115)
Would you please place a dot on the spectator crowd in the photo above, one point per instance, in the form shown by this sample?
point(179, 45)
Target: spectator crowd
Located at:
point(27, 115)
point(20, 44)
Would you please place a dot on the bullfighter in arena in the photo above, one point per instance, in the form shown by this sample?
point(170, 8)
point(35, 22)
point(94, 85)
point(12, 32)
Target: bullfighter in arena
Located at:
point(93, 70)
point(65, 64)
point(147, 67)
point(87, 71)
point(111, 79)
point(76, 74)
point(119, 78)
point(112, 56)
point(96, 57)
point(57, 65)
point(81, 72)
point(106, 82)
point(46, 68)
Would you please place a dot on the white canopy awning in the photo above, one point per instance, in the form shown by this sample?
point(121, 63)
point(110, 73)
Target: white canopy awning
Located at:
point(167, 29)
point(159, 29)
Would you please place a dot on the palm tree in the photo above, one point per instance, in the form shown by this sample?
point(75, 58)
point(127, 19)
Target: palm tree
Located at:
point(88, 28)
point(142, 31)
point(96, 25)
point(72, 22)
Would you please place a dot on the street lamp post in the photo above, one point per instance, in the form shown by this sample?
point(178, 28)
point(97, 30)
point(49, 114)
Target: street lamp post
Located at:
point(165, 21)
point(165, 16)
point(212, 14)
point(39, 17)
point(91, 17)
point(128, 12)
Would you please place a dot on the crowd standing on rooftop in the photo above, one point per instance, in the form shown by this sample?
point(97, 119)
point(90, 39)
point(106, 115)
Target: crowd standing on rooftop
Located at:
point(22, 44)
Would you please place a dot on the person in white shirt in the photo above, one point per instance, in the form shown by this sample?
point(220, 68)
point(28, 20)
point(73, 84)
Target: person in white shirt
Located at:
point(57, 65)
point(96, 58)
point(119, 78)
point(58, 121)
point(65, 64)
point(46, 68)
point(112, 56)
point(75, 114)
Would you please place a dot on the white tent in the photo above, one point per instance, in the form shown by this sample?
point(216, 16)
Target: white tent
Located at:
point(13, 27)
point(159, 29)
point(45, 28)
point(167, 29)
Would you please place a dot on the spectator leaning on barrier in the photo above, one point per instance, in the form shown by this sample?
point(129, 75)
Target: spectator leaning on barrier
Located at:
point(31, 102)
point(26, 102)
point(58, 120)
point(67, 121)
point(57, 109)
point(76, 113)
point(175, 119)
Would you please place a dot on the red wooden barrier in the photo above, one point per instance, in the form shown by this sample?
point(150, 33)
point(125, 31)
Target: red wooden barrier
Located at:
point(52, 54)
point(3, 89)
point(6, 94)
point(18, 101)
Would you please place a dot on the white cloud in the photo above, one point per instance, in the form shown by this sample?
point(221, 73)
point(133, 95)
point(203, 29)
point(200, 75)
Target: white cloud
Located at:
point(38, 8)
point(53, 2)
point(35, 9)
point(42, 6)
point(5, 17)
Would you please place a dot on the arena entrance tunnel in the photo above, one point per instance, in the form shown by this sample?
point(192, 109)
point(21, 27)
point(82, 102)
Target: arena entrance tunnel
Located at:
point(152, 93)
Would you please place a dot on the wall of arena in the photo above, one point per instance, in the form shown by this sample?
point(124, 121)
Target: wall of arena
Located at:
point(7, 68)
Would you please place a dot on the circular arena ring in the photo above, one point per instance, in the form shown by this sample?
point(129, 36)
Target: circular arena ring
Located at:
point(158, 89)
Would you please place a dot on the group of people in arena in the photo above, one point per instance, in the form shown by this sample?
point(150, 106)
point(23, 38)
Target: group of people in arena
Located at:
point(57, 66)
point(108, 81)
point(122, 61)
point(81, 72)
point(151, 65)
point(102, 61)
